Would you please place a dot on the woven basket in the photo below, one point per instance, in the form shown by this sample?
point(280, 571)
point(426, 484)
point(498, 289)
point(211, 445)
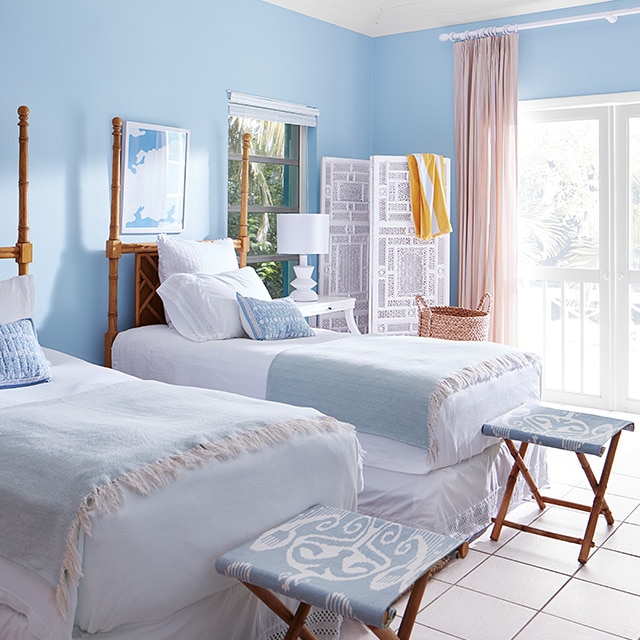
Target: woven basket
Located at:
point(454, 323)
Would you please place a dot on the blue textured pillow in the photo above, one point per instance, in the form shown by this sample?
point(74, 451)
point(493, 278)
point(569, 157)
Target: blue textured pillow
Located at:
point(278, 319)
point(22, 361)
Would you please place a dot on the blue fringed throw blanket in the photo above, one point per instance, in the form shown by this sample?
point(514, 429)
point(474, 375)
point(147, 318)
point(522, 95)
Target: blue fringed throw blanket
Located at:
point(390, 386)
point(61, 459)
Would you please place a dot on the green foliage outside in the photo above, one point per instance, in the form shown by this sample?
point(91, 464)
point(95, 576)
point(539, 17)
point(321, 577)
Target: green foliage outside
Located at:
point(559, 194)
point(559, 207)
point(270, 187)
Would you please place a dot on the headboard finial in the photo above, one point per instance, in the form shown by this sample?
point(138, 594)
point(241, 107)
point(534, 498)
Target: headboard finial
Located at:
point(23, 246)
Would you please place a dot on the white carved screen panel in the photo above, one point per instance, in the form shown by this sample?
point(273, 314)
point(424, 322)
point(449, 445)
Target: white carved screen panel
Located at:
point(344, 271)
point(401, 264)
point(374, 255)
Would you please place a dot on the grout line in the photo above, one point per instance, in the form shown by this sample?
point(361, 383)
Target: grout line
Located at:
point(579, 624)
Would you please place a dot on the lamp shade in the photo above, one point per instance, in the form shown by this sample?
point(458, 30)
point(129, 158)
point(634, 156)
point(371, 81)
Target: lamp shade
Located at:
point(303, 233)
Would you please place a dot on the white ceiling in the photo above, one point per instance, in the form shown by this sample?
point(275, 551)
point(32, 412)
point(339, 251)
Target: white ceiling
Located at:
point(386, 17)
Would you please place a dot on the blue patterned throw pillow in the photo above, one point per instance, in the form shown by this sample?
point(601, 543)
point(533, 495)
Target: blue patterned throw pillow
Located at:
point(278, 319)
point(22, 361)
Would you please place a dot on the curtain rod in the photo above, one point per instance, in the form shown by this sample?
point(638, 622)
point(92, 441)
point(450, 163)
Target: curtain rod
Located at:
point(609, 16)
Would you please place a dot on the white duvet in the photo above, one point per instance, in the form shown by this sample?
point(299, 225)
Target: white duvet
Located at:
point(241, 366)
point(148, 569)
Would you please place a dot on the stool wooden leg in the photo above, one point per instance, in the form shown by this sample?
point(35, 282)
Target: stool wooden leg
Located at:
point(412, 608)
point(297, 624)
point(518, 456)
point(508, 491)
point(584, 463)
point(383, 634)
point(280, 609)
point(598, 501)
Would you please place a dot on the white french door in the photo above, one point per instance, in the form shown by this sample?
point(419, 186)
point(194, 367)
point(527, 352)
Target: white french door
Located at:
point(579, 247)
point(626, 333)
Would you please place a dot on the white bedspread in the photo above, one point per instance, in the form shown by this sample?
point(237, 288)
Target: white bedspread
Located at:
point(153, 559)
point(400, 484)
point(241, 366)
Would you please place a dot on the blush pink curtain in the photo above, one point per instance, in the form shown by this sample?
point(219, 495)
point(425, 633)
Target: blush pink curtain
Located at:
point(486, 108)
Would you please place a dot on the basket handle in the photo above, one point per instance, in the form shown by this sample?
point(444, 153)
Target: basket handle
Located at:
point(424, 309)
point(486, 297)
point(423, 305)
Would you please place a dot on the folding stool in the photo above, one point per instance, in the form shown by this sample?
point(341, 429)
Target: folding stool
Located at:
point(354, 565)
point(582, 433)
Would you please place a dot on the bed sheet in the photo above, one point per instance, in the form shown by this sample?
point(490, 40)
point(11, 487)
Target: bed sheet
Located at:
point(241, 365)
point(72, 375)
point(154, 558)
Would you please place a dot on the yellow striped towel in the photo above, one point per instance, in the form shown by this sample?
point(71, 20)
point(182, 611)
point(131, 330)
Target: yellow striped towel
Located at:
point(428, 195)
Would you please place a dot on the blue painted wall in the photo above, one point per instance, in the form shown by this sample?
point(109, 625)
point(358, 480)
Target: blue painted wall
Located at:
point(77, 64)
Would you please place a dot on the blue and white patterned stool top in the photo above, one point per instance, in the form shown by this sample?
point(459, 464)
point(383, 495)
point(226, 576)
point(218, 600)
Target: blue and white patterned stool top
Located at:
point(354, 565)
point(571, 430)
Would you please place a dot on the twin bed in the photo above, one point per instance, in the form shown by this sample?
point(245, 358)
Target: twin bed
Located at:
point(118, 494)
point(418, 404)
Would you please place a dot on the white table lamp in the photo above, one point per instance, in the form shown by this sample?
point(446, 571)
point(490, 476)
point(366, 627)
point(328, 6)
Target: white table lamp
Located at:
point(304, 234)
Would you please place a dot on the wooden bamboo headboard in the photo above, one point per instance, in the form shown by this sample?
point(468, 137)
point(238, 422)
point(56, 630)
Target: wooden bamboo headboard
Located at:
point(147, 303)
point(22, 251)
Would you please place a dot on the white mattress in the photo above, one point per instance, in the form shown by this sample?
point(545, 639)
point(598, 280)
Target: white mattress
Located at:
point(241, 365)
point(148, 568)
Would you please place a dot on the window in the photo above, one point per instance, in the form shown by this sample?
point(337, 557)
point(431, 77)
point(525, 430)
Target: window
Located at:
point(277, 178)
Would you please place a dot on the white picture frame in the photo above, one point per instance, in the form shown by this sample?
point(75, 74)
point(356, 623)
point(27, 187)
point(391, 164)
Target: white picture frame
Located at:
point(154, 178)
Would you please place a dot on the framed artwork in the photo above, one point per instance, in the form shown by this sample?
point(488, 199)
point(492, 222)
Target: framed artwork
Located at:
point(154, 172)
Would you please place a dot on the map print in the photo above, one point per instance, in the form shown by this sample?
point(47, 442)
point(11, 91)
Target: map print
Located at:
point(155, 160)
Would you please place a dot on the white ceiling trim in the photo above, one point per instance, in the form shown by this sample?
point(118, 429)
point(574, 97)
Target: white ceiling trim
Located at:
point(387, 17)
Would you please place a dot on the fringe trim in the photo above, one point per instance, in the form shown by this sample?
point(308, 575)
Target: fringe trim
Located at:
point(467, 377)
point(107, 498)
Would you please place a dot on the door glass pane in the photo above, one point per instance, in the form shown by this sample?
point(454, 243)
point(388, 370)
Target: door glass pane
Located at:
point(591, 331)
point(634, 342)
point(634, 193)
point(558, 209)
point(559, 233)
point(553, 325)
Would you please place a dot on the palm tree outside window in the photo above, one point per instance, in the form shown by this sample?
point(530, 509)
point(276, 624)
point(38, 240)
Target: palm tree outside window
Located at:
point(277, 178)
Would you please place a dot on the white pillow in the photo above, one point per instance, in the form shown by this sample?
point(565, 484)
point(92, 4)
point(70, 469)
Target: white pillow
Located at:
point(180, 255)
point(204, 307)
point(16, 298)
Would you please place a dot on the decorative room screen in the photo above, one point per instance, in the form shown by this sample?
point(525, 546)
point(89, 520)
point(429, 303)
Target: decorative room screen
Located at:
point(344, 271)
point(374, 254)
point(401, 264)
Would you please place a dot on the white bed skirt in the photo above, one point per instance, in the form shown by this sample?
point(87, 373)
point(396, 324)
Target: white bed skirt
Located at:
point(247, 618)
point(458, 501)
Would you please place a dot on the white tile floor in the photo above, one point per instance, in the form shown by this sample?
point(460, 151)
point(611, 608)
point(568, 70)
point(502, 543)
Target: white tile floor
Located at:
point(527, 587)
